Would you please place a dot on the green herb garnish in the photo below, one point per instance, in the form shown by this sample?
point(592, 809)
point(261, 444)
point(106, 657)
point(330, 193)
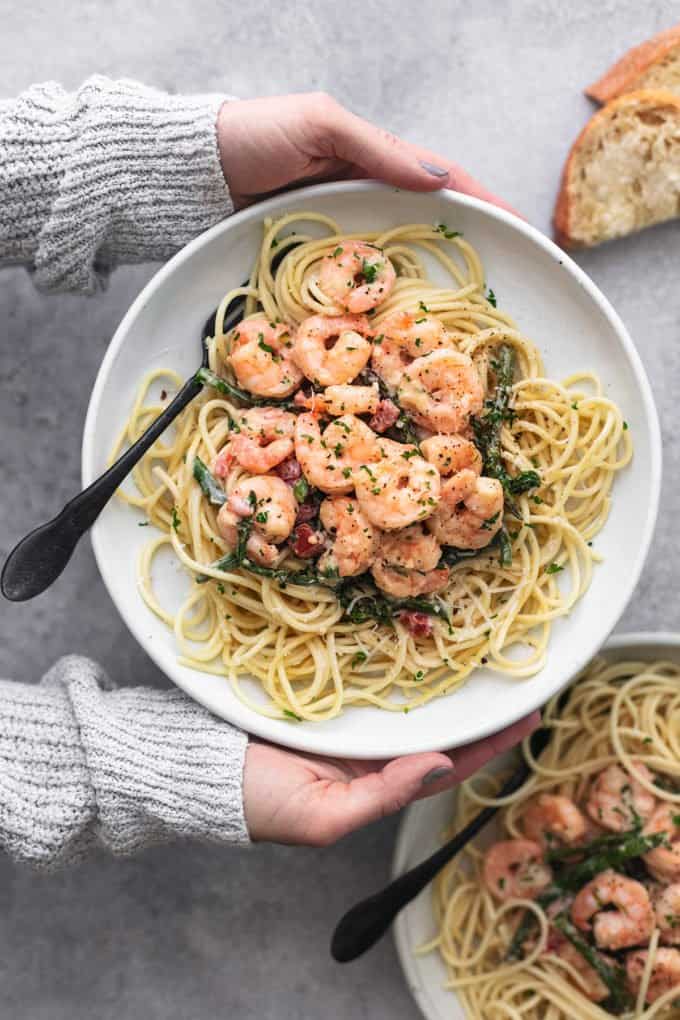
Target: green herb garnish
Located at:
point(208, 483)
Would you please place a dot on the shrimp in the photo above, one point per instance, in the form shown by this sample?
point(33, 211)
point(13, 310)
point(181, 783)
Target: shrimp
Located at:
point(665, 972)
point(617, 800)
point(664, 861)
point(470, 512)
point(260, 356)
point(667, 913)
point(358, 276)
point(355, 540)
point(337, 400)
point(403, 337)
point(442, 390)
point(399, 489)
point(406, 565)
point(331, 462)
point(331, 350)
point(549, 817)
point(451, 454)
point(629, 925)
point(590, 984)
point(515, 869)
point(275, 509)
point(257, 548)
point(264, 441)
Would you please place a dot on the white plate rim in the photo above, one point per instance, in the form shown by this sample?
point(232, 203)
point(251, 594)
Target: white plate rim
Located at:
point(304, 737)
point(409, 962)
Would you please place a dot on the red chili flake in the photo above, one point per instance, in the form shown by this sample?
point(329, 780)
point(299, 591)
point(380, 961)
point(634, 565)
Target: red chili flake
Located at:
point(419, 624)
point(386, 415)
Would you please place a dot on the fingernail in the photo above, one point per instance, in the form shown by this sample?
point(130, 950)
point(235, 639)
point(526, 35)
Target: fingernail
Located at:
point(432, 168)
point(434, 775)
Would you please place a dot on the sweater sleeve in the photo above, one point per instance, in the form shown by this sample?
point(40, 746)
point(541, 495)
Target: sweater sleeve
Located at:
point(83, 764)
point(115, 172)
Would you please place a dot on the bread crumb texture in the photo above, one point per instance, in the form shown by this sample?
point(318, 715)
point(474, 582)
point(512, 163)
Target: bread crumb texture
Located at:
point(623, 173)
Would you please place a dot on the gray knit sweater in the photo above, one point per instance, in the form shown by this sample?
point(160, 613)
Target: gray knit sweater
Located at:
point(112, 173)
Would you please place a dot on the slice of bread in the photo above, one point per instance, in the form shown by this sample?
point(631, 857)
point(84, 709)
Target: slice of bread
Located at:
point(623, 171)
point(654, 64)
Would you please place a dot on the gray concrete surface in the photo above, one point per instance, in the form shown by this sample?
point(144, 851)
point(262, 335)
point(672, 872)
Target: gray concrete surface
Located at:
point(188, 933)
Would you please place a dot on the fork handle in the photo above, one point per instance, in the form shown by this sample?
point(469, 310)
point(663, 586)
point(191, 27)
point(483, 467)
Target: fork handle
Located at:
point(39, 558)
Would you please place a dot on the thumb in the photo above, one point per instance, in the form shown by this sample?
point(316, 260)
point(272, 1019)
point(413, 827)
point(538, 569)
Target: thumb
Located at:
point(378, 794)
point(383, 156)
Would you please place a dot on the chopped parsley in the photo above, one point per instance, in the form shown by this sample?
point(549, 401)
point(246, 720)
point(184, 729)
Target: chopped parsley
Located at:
point(300, 490)
point(291, 715)
point(442, 229)
point(369, 270)
point(553, 568)
point(491, 298)
point(358, 658)
point(265, 347)
point(175, 519)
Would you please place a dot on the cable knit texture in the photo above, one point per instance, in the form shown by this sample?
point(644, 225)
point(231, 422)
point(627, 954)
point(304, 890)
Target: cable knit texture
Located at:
point(81, 763)
point(113, 173)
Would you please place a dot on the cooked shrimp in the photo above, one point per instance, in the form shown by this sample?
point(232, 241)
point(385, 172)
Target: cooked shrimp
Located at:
point(617, 800)
point(665, 972)
point(260, 355)
point(331, 350)
point(264, 441)
point(629, 925)
point(451, 454)
point(337, 400)
point(358, 276)
point(515, 869)
point(667, 912)
point(442, 390)
point(257, 547)
point(272, 502)
point(399, 489)
point(549, 817)
point(664, 861)
point(406, 563)
point(403, 337)
point(590, 983)
point(470, 512)
point(331, 462)
point(355, 540)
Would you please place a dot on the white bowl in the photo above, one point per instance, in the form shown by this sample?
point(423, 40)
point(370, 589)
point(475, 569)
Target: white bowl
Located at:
point(420, 835)
point(553, 302)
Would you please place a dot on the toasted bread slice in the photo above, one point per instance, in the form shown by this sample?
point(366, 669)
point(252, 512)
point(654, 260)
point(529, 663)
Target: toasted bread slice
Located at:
point(623, 171)
point(654, 64)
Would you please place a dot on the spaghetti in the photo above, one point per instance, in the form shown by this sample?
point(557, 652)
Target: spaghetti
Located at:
point(507, 957)
point(318, 647)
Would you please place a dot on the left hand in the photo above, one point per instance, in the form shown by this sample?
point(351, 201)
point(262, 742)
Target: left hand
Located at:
point(272, 143)
point(297, 798)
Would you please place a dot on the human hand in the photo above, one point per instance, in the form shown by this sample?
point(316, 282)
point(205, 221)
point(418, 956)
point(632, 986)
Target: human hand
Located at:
point(297, 798)
point(271, 143)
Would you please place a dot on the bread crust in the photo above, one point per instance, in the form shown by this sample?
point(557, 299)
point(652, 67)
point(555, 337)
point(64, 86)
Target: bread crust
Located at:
point(621, 77)
point(562, 218)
